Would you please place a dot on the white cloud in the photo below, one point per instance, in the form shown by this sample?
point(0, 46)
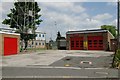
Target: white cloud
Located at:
point(68, 16)
point(63, 6)
point(67, 20)
point(104, 16)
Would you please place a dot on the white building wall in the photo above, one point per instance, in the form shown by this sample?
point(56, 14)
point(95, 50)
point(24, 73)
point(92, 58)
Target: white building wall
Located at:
point(41, 36)
point(40, 41)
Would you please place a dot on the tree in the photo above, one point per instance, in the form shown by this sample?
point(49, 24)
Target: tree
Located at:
point(110, 28)
point(58, 36)
point(24, 17)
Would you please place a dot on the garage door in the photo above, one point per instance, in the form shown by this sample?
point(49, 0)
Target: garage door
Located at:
point(76, 43)
point(95, 43)
point(10, 46)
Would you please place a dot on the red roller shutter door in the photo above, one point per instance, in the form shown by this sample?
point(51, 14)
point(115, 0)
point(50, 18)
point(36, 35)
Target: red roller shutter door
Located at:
point(95, 43)
point(76, 43)
point(10, 46)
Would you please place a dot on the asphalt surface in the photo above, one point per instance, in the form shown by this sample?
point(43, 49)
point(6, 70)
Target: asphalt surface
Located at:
point(49, 72)
point(85, 62)
point(60, 65)
point(47, 57)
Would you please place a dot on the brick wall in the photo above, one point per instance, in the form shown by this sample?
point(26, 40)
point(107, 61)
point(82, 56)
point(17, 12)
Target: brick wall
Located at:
point(85, 35)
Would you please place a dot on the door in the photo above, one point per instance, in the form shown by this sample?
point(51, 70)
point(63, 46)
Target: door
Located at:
point(76, 43)
point(95, 43)
point(10, 46)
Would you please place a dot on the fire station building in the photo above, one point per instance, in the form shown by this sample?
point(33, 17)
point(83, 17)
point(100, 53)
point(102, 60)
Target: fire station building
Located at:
point(97, 39)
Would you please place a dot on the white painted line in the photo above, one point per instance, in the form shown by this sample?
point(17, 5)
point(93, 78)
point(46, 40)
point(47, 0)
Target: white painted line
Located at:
point(45, 76)
point(102, 73)
point(49, 67)
point(96, 68)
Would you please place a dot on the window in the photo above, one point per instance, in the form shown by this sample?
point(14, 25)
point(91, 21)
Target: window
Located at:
point(39, 43)
point(77, 43)
point(95, 40)
point(43, 44)
point(36, 43)
point(43, 35)
point(89, 40)
point(72, 43)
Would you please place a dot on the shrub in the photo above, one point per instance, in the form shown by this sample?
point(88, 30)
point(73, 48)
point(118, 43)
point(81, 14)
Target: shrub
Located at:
point(117, 59)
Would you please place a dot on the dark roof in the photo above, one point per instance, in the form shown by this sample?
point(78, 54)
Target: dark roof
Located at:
point(87, 31)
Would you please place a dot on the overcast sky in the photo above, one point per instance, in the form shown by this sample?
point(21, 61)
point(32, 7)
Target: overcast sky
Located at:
point(70, 16)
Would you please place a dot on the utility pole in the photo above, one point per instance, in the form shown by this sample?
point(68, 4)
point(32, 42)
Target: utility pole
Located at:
point(118, 25)
point(118, 33)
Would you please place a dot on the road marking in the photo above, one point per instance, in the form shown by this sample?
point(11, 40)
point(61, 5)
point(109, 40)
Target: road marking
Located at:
point(54, 67)
point(96, 68)
point(102, 73)
point(44, 76)
point(67, 65)
point(62, 67)
point(49, 67)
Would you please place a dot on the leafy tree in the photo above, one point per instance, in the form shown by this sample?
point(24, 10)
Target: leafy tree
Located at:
point(24, 17)
point(111, 28)
point(58, 36)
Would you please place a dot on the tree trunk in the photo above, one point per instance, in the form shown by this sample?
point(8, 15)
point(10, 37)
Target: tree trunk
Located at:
point(21, 44)
point(26, 44)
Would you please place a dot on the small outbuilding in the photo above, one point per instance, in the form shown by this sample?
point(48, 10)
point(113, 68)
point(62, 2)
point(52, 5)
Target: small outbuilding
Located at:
point(9, 43)
point(97, 39)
